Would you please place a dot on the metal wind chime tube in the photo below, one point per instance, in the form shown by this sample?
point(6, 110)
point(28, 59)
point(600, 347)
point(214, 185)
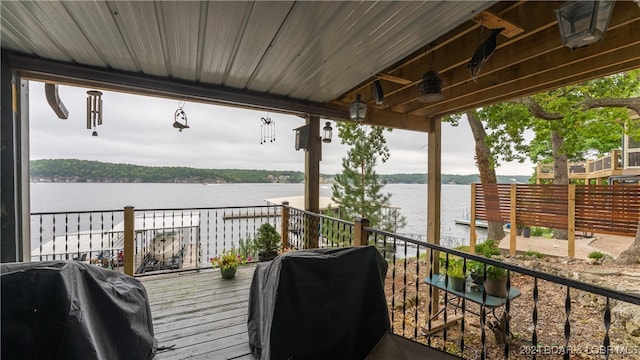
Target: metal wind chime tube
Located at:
point(267, 130)
point(94, 110)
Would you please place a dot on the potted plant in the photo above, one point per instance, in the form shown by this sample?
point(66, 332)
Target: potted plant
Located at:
point(476, 271)
point(266, 242)
point(496, 282)
point(228, 263)
point(455, 272)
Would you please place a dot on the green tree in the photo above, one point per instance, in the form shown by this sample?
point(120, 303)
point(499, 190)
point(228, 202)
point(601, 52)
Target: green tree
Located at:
point(570, 123)
point(358, 189)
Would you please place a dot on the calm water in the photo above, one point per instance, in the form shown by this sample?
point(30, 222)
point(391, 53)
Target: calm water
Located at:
point(412, 199)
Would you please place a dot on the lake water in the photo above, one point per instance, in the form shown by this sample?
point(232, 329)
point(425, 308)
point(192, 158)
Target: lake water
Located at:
point(411, 198)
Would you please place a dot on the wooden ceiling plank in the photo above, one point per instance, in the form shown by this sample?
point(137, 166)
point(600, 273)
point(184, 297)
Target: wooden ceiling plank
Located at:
point(498, 67)
point(546, 37)
point(589, 68)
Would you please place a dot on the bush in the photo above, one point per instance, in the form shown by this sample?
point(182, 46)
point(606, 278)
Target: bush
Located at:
point(267, 240)
point(595, 255)
point(533, 253)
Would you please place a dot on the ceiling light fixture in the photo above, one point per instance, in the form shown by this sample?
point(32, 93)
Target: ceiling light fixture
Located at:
point(357, 109)
point(431, 84)
point(94, 110)
point(583, 22)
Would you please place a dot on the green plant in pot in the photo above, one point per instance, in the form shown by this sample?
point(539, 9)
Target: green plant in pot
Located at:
point(266, 242)
point(476, 271)
point(456, 274)
point(496, 282)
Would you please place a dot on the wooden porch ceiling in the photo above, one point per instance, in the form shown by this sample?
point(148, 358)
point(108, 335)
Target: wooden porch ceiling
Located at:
point(525, 64)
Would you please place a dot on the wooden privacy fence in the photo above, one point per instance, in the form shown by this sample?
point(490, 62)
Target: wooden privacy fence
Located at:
point(607, 209)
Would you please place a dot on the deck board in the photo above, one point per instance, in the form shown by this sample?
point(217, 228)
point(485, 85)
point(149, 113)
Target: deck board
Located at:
point(200, 314)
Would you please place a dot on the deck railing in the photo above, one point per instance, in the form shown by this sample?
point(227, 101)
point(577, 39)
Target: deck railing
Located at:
point(164, 239)
point(544, 320)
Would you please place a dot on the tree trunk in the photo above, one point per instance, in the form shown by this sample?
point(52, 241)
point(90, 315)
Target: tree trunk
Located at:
point(485, 167)
point(631, 256)
point(560, 173)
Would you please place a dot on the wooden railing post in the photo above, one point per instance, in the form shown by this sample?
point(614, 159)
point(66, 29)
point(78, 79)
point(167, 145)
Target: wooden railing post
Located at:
point(360, 234)
point(472, 221)
point(571, 221)
point(285, 224)
point(129, 234)
point(513, 218)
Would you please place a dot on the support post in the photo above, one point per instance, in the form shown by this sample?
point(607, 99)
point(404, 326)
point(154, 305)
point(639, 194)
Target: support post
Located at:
point(312, 180)
point(434, 178)
point(129, 235)
point(284, 226)
point(513, 220)
point(360, 235)
point(571, 221)
point(472, 221)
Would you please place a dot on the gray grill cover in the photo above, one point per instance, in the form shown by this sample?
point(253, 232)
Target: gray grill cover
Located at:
point(318, 304)
point(73, 310)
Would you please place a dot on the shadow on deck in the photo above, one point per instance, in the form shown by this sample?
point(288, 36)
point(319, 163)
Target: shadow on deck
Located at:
point(202, 315)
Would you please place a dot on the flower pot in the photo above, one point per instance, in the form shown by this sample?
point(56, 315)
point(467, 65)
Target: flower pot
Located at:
point(456, 284)
point(228, 273)
point(496, 287)
point(262, 257)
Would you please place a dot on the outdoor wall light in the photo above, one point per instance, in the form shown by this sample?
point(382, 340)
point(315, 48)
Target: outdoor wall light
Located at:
point(431, 87)
point(94, 110)
point(357, 109)
point(583, 22)
point(326, 133)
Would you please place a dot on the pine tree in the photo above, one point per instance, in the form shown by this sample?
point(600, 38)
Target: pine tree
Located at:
point(358, 189)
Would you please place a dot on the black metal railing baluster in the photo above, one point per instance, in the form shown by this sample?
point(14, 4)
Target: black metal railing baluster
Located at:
point(66, 238)
point(417, 281)
point(534, 335)
point(446, 301)
point(567, 325)
point(463, 307)
point(507, 308)
point(393, 288)
point(483, 317)
point(53, 238)
point(606, 342)
point(430, 306)
point(40, 237)
point(404, 292)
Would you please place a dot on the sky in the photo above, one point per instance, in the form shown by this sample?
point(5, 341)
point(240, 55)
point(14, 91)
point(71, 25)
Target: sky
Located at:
point(138, 130)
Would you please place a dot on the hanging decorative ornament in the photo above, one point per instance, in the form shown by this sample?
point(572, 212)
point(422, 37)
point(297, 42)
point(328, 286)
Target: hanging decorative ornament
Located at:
point(94, 110)
point(267, 130)
point(180, 118)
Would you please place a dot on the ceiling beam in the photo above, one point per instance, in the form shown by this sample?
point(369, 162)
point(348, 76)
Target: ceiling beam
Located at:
point(109, 79)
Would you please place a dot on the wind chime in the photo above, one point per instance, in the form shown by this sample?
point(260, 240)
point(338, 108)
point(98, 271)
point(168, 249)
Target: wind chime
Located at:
point(180, 118)
point(94, 110)
point(267, 130)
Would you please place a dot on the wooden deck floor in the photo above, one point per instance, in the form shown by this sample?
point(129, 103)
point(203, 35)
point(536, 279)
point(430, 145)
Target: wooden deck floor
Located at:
point(201, 314)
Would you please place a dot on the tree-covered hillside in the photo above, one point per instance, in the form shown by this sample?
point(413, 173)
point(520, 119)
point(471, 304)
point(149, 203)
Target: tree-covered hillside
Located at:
point(74, 170)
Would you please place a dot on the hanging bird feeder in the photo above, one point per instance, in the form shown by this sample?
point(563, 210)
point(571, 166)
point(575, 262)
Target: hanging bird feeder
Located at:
point(180, 118)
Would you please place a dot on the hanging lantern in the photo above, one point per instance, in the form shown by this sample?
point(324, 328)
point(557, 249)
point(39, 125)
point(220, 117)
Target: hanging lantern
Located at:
point(267, 130)
point(357, 109)
point(94, 110)
point(431, 87)
point(583, 22)
point(327, 132)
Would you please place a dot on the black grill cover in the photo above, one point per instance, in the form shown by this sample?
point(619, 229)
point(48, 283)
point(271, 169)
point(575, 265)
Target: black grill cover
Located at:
point(318, 304)
point(73, 310)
